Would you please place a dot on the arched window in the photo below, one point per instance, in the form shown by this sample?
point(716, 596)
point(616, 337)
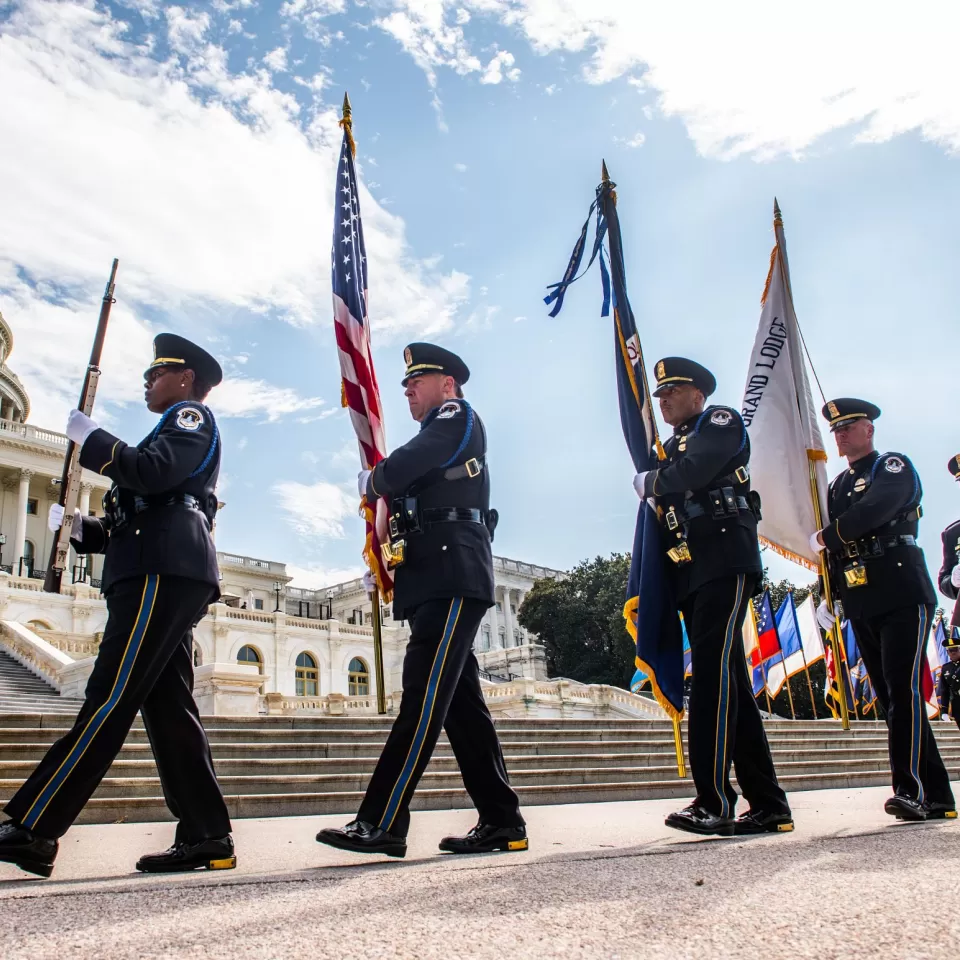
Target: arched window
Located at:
point(249, 655)
point(359, 678)
point(197, 656)
point(308, 677)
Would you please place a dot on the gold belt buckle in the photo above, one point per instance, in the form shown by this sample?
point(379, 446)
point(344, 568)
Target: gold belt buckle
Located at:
point(742, 474)
point(680, 554)
point(472, 466)
point(855, 575)
point(393, 553)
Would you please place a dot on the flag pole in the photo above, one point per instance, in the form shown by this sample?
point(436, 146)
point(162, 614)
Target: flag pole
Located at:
point(661, 455)
point(793, 713)
point(347, 123)
point(812, 457)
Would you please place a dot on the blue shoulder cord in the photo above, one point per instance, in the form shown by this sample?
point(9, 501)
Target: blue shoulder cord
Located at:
point(213, 443)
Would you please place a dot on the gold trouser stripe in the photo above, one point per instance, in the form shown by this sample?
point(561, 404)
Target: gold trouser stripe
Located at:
point(134, 642)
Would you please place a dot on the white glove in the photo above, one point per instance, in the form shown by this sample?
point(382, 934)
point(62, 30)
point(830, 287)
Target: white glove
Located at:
point(638, 483)
point(825, 617)
point(369, 582)
point(79, 427)
point(55, 521)
point(815, 545)
point(362, 477)
point(955, 576)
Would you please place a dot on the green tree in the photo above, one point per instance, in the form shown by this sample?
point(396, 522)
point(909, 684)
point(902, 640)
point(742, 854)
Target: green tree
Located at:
point(579, 620)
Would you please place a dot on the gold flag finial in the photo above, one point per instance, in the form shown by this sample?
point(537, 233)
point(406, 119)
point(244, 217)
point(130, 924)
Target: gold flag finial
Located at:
point(346, 122)
point(603, 172)
point(777, 216)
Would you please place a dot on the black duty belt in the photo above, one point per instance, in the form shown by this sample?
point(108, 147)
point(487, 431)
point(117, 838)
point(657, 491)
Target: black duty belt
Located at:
point(122, 517)
point(453, 515)
point(691, 510)
point(875, 546)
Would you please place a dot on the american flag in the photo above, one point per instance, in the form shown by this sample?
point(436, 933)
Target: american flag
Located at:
point(361, 395)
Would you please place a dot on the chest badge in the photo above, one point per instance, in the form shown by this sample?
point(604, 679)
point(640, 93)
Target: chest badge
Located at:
point(189, 418)
point(893, 465)
point(860, 485)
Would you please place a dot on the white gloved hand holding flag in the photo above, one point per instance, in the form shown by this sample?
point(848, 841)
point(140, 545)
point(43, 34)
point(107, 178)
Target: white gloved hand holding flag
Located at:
point(825, 617)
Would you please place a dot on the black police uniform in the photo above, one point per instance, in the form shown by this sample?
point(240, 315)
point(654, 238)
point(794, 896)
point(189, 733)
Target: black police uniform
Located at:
point(951, 556)
point(948, 689)
point(159, 575)
point(708, 518)
point(438, 487)
point(882, 580)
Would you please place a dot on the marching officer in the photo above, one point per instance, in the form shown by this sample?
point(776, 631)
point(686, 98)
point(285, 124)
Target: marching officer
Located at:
point(708, 516)
point(871, 541)
point(949, 576)
point(159, 575)
point(441, 526)
point(948, 686)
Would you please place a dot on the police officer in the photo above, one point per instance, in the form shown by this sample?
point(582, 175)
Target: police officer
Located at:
point(948, 686)
point(159, 575)
point(949, 576)
point(708, 516)
point(438, 486)
point(881, 575)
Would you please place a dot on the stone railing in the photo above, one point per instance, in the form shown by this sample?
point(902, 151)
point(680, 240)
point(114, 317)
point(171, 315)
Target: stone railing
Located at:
point(252, 563)
point(36, 654)
point(330, 705)
point(529, 571)
point(250, 616)
point(566, 698)
point(29, 432)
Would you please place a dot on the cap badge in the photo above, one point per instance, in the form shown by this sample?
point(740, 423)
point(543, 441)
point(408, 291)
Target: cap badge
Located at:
point(661, 370)
point(832, 410)
point(407, 356)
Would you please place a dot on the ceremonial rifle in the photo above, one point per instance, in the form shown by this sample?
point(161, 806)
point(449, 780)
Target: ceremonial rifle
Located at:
point(72, 471)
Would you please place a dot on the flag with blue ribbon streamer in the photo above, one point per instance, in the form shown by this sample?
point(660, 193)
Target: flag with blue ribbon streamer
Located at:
point(650, 610)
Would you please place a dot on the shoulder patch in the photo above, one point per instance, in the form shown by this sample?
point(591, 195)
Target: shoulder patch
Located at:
point(893, 465)
point(450, 409)
point(721, 418)
point(189, 418)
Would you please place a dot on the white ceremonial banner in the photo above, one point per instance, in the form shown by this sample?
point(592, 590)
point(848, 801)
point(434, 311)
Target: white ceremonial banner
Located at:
point(781, 419)
point(810, 635)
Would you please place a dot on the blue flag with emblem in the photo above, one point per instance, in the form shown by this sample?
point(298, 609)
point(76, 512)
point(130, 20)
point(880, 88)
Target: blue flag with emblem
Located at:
point(650, 609)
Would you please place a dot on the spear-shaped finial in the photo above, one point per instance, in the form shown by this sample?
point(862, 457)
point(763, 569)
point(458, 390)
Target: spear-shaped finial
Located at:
point(604, 175)
point(346, 122)
point(777, 216)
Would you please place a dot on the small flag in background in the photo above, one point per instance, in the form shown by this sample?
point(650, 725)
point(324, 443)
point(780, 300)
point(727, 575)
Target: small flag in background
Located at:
point(768, 651)
point(810, 635)
point(751, 650)
point(790, 660)
point(835, 684)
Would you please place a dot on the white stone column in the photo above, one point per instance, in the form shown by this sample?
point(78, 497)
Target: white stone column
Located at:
point(21, 530)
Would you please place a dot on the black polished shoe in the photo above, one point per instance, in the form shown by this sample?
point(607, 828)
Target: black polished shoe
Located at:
point(26, 850)
point(487, 838)
point(941, 811)
point(697, 819)
point(205, 855)
point(756, 821)
point(358, 836)
point(905, 808)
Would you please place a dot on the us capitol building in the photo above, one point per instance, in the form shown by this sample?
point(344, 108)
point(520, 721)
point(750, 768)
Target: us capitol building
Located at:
point(266, 647)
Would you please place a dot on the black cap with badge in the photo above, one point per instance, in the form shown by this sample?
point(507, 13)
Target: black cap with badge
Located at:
point(845, 410)
point(170, 350)
point(422, 358)
point(954, 467)
point(675, 371)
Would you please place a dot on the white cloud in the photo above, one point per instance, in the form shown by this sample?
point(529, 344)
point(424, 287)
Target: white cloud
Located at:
point(460, 167)
point(214, 192)
point(310, 14)
point(316, 578)
point(245, 397)
point(637, 140)
point(747, 78)
point(499, 67)
point(276, 60)
point(316, 509)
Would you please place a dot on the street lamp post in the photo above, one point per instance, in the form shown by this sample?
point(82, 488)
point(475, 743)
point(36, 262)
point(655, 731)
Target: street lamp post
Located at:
point(278, 586)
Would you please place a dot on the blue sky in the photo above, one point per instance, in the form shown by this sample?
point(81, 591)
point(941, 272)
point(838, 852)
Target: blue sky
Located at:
point(197, 143)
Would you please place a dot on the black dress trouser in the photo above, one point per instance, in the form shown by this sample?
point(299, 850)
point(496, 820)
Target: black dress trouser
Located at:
point(441, 689)
point(145, 663)
point(725, 723)
point(894, 650)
